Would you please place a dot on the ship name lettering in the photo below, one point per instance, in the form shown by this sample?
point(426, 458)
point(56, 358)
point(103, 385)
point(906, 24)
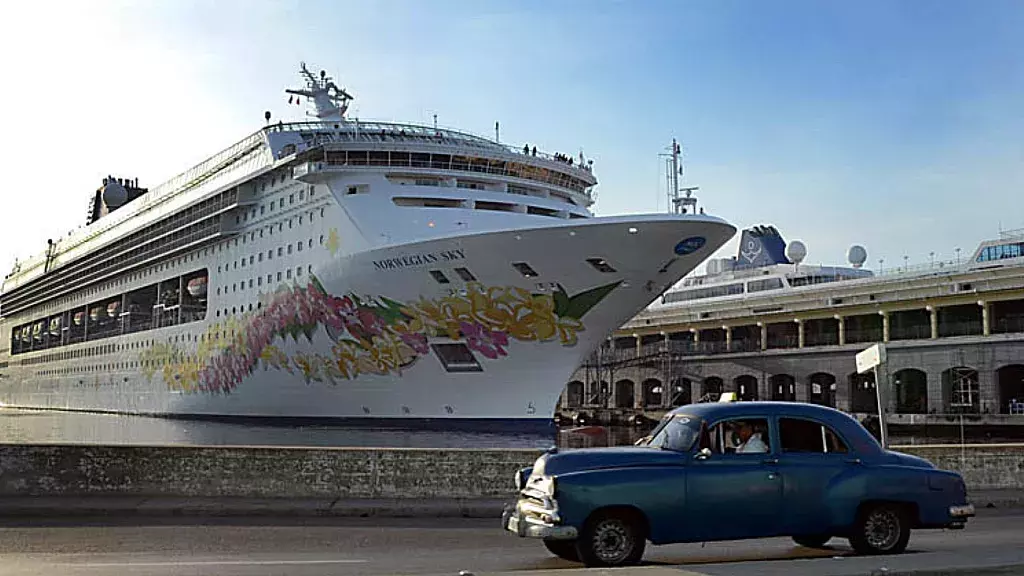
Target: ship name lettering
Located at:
point(406, 261)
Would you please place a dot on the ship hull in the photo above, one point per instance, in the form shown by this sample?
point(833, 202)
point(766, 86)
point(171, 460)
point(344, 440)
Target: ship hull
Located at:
point(376, 337)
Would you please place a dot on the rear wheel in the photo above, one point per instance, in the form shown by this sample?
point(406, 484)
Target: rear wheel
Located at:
point(612, 539)
point(881, 529)
point(564, 549)
point(812, 541)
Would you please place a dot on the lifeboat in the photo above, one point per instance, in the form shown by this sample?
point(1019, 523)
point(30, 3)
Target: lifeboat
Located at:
point(197, 287)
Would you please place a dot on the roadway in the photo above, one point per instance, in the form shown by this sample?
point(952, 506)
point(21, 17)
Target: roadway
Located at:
point(376, 546)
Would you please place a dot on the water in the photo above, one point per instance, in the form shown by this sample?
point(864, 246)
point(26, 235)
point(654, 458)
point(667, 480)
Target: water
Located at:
point(30, 426)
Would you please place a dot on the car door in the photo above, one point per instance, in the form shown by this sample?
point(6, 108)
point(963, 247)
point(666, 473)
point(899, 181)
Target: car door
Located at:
point(730, 494)
point(813, 461)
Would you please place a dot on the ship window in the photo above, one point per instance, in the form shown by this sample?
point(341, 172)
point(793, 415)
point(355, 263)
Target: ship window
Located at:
point(601, 265)
point(456, 357)
point(497, 206)
point(524, 269)
point(243, 262)
point(289, 248)
point(272, 205)
point(278, 276)
point(270, 278)
point(251, 259)
point(298, 271)
point(298, 246)
point(765, 284)
point(300, 219)
point(259, 281)
point(302, 194)
point(312, 191)
point(465, 274)
point(260, 258)
point(291, 198)
point(310, 243)
point(270, 254)
point(352, 190)
point(280, 251)
point(439, 276)
point(321, 212)
point(321, 239)
point(288, 273)
point(250, 282)
point(291, 222)
point(262, 210)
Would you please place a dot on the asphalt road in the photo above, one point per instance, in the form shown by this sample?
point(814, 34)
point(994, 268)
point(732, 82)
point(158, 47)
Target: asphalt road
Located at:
point(354, 547)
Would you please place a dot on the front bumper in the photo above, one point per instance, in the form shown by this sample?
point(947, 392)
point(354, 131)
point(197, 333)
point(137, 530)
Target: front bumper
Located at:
point(527, 519)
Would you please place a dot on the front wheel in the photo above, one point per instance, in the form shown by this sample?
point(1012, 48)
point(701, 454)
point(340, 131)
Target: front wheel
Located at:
point(881, 529)
point(813, 541)
point(612, 539)
point(564, 549)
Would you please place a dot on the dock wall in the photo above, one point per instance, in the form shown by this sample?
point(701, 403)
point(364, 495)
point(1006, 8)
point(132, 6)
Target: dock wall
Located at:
point(346, 473)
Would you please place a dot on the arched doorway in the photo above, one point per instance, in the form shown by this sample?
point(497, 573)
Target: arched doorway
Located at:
point(681, 390)
point(712, 388)
point(652, 392)
point(863, 397)
point(783, 387)
point(910, 388)
point(574, 394)
point(1010, 383)
point(624, 394)
point(823, 389)
point(960, 390)
point(746, 387)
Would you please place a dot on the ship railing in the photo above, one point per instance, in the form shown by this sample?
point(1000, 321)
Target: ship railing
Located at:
point(374, 131)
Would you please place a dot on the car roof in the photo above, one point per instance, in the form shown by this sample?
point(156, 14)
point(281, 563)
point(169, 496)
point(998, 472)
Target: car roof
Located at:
point(845, 424)
point(760, 408)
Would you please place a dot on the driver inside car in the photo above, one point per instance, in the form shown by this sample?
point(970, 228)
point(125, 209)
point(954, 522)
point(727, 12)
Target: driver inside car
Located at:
point(750, 441)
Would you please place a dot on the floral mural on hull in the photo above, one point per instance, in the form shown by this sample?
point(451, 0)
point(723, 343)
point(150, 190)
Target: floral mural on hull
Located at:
point(369, 336)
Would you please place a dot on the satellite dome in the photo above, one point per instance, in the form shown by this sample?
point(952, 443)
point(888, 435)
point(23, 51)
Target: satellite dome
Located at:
point(114, 193)
point(857, 255)
point(796, 251)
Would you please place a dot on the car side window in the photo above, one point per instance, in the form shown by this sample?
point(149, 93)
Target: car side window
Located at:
point(740, 436)
point(808, 436)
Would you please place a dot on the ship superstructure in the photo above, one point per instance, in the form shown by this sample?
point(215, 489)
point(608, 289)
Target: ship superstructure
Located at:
point(338, 268)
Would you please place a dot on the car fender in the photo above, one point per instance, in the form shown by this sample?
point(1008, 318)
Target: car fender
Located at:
point(657, 492)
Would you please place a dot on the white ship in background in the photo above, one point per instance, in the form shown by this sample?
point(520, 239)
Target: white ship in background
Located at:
point(338, 269)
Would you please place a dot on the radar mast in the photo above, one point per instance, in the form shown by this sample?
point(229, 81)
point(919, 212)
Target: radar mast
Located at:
point(677, 202)
point(329, 101)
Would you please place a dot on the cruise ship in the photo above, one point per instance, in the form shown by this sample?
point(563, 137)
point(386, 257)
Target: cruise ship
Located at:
point(338, 269)
point(766, 324)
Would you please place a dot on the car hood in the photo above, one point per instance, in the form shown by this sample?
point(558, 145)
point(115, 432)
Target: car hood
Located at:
point(556, 463)
point(908, 460)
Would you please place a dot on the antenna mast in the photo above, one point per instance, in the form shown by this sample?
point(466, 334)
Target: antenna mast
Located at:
point(680, 200)
point(330, 101)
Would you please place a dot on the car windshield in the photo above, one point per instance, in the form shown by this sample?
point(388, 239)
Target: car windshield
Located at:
point(675, 432)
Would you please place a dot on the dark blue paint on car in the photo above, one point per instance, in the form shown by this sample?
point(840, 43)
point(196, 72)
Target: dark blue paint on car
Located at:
point(734, 470)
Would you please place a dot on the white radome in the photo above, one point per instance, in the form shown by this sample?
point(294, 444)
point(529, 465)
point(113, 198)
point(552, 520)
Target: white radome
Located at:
point(796, 251)
point(857, 255)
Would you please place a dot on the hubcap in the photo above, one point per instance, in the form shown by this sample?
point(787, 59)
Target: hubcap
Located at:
point(882, 529)
point(612, 541)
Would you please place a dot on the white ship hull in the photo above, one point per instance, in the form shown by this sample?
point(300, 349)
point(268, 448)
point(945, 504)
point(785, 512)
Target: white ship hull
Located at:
point(300, 378)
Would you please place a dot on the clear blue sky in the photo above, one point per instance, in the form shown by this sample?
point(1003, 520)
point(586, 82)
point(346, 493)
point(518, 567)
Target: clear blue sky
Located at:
point(892, 124)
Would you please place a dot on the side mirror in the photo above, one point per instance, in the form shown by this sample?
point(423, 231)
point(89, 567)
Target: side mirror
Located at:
point(703, 454)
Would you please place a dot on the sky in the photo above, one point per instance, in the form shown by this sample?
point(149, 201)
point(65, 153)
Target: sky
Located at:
point(891, 124)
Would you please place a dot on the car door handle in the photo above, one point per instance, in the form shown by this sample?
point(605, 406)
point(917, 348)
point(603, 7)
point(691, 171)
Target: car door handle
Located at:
point(853, 461)
point(770, 461)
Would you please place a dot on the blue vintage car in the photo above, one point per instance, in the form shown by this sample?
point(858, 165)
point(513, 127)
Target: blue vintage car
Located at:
point(730, 471)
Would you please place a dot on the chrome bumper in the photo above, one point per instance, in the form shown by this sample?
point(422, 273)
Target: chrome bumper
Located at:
point(524, 520)
point(961, 512)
